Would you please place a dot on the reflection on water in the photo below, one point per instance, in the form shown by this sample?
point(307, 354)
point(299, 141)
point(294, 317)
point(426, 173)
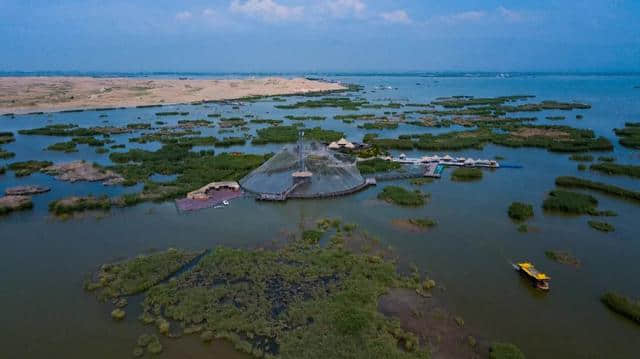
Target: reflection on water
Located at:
point(44, 261)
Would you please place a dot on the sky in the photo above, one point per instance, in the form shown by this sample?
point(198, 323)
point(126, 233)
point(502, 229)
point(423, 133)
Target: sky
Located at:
point(319, 35)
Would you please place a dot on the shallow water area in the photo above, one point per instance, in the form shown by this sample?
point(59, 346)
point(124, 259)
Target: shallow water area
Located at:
point(44, 260)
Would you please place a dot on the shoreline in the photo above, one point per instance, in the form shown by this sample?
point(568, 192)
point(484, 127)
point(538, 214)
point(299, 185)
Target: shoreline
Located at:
point(39, 95)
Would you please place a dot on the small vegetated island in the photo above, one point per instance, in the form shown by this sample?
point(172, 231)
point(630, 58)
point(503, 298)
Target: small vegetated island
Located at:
point(403, 197)
point(301, 301)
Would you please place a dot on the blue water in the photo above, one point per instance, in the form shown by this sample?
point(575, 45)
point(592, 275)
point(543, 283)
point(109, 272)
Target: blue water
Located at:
point(44, 260)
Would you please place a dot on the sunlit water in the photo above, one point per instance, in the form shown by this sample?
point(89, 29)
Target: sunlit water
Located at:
point(44, 261)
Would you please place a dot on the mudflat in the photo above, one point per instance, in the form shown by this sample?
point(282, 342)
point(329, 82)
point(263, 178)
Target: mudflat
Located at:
point(21, 95)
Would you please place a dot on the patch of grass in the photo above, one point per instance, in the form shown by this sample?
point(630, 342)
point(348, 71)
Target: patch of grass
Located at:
point(629, 135)
point(616, 169)
point(66, 147)
point(345, 103)
point(400, 196)
point(570, 202)
point(5, 155)
point(505, 351)
point(466, 174)
point(581, 158)
point(377, 165)
point(622, 305)
point(379, 125)
point(285, 134)
point(231, 141)
point(304, 118)
point(601, 226)
point(574, 182)
point(270, 122)
point(420, 181)
point(6, 137)
point(138, 274)
point(423, 222)
point(355, 116)
point(79, 204)
point(232, 122)
point(520, 211)
point(27, 168)
point(563, 257)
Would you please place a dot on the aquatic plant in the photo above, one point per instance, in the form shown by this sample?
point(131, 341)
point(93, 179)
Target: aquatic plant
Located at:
point(606, 159)
point(172, 113)
point(284, 134)
point(523, 228)
point(616, 169)
point(466, 174)
point(231, 141)
point(563, 257)
point(5, 155)
point(505, 351)
point(622, 305)
point(79, 204)
point(377, 165)
point(304, 118)
point(10, 204)
point(138, 274)
point(574, 182)
point(268, 121)
point(582, 167)
point(66, 147)
point(27, 168)
point(601, 226)
point(520, 211)
point(232, 122)
point(400, 196)
point(345, 103)
point(355, 116)
point(423, 222)
point(570, 202)
point(6, 137)
point(420, 181)
point(581, 158)
point(555, 118)
point(629, 135)
point(278, 303)
point(118, 314)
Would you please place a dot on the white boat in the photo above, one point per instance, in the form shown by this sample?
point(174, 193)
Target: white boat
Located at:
point(225, 202)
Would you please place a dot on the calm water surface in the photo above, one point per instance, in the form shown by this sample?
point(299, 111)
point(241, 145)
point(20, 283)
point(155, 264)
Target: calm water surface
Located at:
point(43, 260)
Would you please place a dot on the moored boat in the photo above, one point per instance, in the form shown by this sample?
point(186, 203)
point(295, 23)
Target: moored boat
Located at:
point(539, 279)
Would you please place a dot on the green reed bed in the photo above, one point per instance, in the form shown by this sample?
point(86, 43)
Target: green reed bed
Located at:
point(520, 211)
point(601, 226)
point(403, 197)
point(563, 257)
point(74, 204)
point(466, 174)
point(377, 165)
point(575, 182)
point(26, 168)
point(629, 135)
point(622, 305)
point(617, 169)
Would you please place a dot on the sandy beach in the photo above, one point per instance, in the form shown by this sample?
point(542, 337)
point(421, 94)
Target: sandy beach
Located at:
point(21, 95)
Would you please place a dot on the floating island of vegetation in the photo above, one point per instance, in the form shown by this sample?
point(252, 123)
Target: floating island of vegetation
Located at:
point(520, 211)
point(466, 174)
point(304, 300)
point(563, 257)
point(573, 203)
point(403, 197)
point(629, 135)
point(601, 226)
point(616, 169)
point(622, 305)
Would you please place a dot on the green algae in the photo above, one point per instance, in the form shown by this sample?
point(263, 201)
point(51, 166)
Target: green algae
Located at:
point(377, 165)
point(400, 196)
point(622, 305)
point(520, 211)
point(466, 174)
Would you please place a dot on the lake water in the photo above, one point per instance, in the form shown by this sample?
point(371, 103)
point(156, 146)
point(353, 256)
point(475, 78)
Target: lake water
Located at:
point(44, 260)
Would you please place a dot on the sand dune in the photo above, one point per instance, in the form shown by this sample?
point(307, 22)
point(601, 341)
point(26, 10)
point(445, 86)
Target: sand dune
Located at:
point(34, 94)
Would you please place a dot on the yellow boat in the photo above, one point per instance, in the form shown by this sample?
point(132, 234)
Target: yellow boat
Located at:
point(540, 279)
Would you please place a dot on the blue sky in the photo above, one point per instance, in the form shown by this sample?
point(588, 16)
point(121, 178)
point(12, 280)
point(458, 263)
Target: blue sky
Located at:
point(319, 35)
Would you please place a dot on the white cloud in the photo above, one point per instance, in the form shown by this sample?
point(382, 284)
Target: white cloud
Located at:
point(342, 8)
point(208, 13)
point(463, 17)
point(397, 17)
point(183, 15)
point(268, 10)
point(510, 15)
